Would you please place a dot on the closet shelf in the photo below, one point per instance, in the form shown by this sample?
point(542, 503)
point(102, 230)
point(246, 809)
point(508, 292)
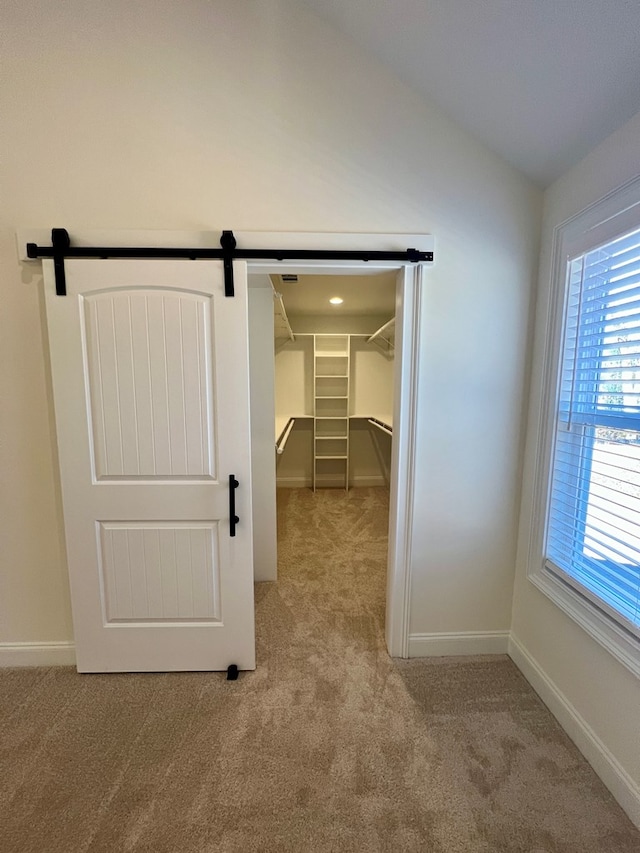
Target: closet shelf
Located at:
point(384, 337)
point(331, 373)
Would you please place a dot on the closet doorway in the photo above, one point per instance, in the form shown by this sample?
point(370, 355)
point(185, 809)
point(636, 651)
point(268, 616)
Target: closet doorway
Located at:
point(332, 404)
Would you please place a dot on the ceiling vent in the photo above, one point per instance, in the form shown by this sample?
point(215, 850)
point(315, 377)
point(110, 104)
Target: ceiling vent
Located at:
point(289, 279)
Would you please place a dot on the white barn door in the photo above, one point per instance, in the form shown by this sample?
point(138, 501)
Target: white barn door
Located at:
point(149, 363)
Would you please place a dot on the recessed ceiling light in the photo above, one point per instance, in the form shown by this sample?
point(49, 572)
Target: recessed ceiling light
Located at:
point(336, 300)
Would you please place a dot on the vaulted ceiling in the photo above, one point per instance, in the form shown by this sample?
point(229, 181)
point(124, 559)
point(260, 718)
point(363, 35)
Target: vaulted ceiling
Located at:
point(541, 82)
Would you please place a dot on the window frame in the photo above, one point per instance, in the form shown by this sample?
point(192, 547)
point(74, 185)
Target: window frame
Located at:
point(611, 216)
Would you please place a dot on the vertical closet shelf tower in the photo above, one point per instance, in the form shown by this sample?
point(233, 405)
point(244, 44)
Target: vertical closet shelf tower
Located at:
point(331, 371)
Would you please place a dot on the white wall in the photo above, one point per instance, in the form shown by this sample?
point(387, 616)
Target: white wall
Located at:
point(597, 699)
point(294, 396)
point(257, 116)
point(294, 378)
point(263, 474)
point(371, 386)
point(369, 454)
point(294, 466)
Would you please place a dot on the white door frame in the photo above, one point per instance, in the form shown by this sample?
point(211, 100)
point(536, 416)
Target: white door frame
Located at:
point(399, 567)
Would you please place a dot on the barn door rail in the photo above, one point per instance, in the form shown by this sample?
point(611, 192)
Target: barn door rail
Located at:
point(61, 249)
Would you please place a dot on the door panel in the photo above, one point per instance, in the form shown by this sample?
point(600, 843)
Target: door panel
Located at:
point(149, 366)
point(150, 383)
point(167, 571)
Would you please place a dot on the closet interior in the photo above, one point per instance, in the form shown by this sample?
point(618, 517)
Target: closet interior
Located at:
point(334, 378)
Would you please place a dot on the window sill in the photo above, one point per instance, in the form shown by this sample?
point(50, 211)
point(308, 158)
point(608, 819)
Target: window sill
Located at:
point(622, 645)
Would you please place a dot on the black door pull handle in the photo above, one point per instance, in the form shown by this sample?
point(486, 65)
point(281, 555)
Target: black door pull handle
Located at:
point(233, 518)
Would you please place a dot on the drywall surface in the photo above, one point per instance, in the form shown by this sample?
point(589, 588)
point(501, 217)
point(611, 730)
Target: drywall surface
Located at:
point(371, 387)
point(257, 116)
point(604, 693)
point(369, 454)
point(294, 379)
point(294, 467)
point(263, 476)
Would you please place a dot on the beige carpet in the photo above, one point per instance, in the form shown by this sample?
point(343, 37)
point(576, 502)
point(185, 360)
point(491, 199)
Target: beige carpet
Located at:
point(328, 746)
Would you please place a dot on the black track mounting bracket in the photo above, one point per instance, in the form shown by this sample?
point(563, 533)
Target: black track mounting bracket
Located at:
point(60, 243)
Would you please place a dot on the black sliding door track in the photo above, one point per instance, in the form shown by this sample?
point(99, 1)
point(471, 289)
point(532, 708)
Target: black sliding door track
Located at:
point(61, 248)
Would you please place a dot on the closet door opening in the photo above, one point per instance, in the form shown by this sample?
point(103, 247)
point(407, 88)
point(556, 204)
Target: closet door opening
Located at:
point(323, 475)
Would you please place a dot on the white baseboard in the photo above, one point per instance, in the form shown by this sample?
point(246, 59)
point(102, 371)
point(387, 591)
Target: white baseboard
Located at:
point(37, 654)
point(364, 480)
point(356, 482)
point(615, 777)
point(462, 643)
point(293, 482)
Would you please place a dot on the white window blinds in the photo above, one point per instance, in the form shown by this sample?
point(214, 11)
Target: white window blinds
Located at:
point(593, 525)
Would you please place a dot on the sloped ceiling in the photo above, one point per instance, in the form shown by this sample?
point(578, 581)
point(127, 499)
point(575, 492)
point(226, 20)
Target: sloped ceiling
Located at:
point(541, 82)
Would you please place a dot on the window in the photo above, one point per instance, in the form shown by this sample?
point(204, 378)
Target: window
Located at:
point(593, 530)
point(585, 549)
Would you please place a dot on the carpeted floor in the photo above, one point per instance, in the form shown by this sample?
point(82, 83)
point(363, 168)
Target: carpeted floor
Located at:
point(328, 746)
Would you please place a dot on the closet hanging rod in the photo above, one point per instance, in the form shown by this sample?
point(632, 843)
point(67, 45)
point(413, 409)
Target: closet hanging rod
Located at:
point(61, 248)
point(281, 442)
point(380, 332)
point(382, 426)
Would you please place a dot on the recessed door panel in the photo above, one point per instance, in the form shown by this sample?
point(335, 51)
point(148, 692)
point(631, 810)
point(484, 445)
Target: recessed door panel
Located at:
point(148, 370)
point(163, 572)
